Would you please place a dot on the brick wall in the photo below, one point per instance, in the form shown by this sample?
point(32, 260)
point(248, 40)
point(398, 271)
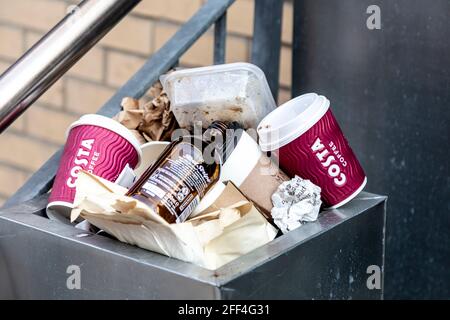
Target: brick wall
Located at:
point(40, 131)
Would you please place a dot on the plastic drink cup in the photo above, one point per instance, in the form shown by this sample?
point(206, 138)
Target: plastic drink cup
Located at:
point(309, 143)
point(96, 144)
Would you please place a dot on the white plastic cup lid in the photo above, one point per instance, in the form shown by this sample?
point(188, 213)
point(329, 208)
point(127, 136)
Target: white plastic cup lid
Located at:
point(290, 120)
point(110, 124)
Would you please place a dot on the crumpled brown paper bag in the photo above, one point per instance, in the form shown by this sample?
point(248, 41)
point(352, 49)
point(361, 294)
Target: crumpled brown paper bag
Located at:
point(152, 121)
point(209, 240)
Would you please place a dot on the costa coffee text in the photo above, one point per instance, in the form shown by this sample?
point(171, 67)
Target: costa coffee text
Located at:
point(81, 161)
point(328, 161)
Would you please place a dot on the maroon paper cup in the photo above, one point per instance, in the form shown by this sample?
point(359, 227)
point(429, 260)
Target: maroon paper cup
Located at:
point(310, 144)
point(96, 144)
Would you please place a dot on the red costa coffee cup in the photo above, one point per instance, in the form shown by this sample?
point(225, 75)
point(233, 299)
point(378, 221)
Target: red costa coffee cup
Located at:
point(96, 144)
point(310, 144)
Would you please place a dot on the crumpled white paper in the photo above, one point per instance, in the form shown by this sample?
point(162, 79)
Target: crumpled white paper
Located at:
point(295, 202)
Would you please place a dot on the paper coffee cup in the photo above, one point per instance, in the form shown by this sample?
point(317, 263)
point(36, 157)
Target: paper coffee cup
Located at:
point(96, 144)
point(311, 144)
point(251, 171)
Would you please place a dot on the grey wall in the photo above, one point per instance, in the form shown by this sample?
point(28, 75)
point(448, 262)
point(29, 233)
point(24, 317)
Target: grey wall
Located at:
point(390, 90)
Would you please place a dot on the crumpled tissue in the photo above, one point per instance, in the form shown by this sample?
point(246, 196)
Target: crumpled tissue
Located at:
point(295, 202)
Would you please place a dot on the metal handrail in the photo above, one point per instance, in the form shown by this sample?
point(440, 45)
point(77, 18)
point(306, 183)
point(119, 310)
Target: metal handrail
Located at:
point(42, 65)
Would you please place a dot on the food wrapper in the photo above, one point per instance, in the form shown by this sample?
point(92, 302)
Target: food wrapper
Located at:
point(295, 202)
point(209, 240)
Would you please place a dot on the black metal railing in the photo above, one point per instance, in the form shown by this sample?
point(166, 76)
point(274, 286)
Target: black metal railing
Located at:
point(265, 53)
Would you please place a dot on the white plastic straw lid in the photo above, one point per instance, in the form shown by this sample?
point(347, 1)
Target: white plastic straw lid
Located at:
point(290, 120)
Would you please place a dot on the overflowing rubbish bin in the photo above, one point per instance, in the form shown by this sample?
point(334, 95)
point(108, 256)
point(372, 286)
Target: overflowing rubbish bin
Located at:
point(208, 191)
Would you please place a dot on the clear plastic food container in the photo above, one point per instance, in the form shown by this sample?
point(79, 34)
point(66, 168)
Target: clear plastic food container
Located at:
point(228, 92)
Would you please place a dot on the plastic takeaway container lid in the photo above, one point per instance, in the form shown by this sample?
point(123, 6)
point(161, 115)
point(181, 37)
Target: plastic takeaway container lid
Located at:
point(221, 68)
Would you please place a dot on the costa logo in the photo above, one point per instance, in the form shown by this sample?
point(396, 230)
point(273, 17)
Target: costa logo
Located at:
point(328, 161)
point(80, 162)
